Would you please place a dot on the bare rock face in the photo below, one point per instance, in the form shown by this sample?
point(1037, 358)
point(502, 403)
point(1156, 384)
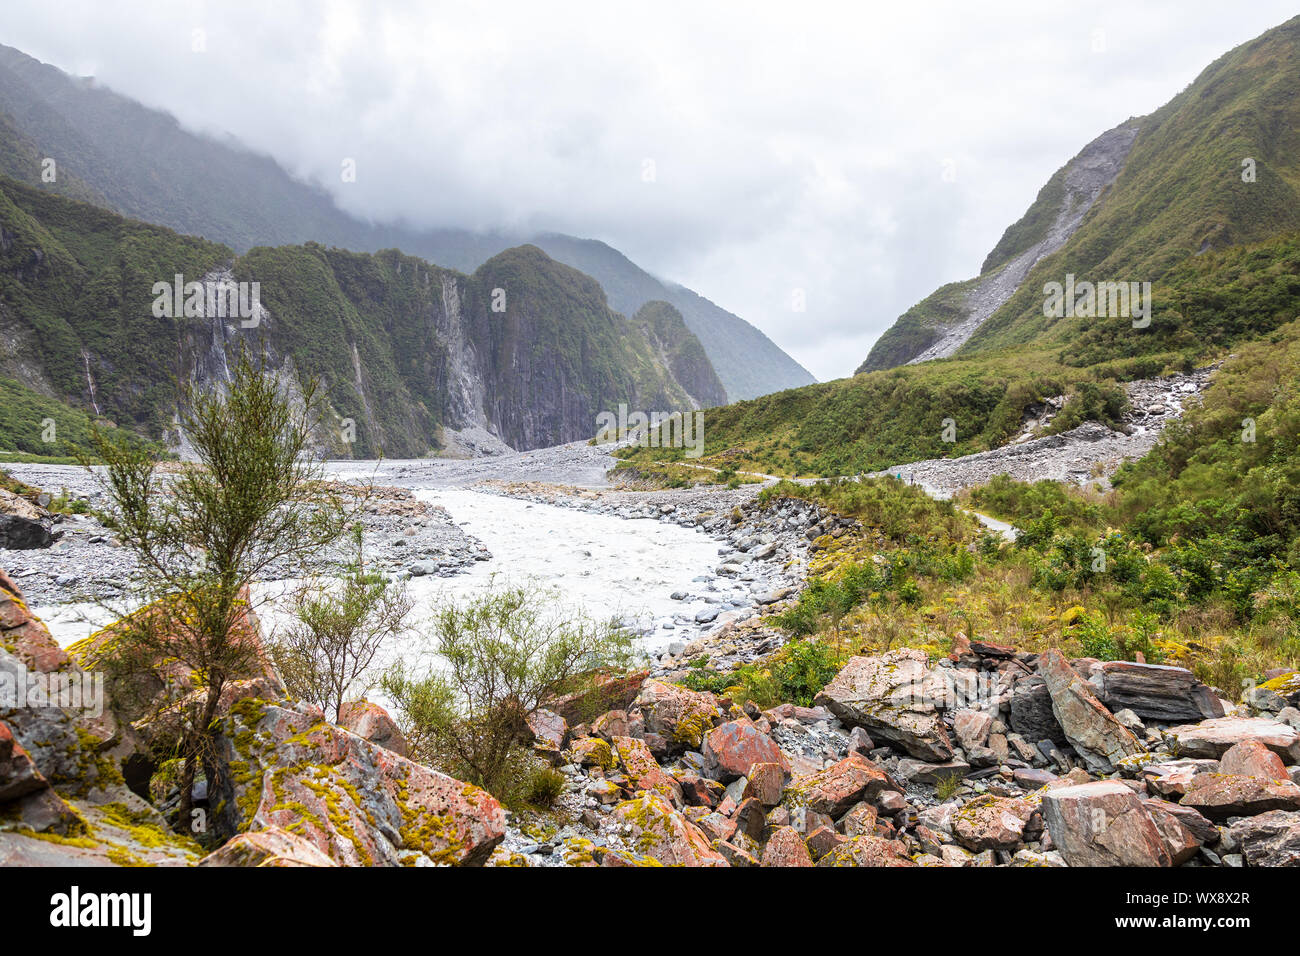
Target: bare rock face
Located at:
point(23, 525)
point(1092, 729)
point(1270, 839)
point(270, 847)
point(891, 696)
point(372, 722)
point(1103, 824)
point(1156, 691)
point(356, 802)
point(1213, 738)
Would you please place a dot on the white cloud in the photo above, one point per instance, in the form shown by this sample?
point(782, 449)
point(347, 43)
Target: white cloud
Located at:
point(794, 146)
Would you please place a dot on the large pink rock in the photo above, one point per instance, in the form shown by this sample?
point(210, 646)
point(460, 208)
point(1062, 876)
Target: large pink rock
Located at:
point(733, 748)
point(653, 828)
point(1251, 758)
point(835, 790)
point(1220, 795)
point(372, 722)
point(1103, 824)
point(680, 716)
point(356, 802)
point(643, 771)
point(866, 850)
point(786, 848)
point(996, 823)
point(1183, 829)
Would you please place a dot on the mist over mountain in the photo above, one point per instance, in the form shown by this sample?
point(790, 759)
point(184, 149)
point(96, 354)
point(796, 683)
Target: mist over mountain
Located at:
point(143, 164)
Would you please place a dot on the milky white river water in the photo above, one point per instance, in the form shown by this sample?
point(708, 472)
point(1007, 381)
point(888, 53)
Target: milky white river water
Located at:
point(599, 565)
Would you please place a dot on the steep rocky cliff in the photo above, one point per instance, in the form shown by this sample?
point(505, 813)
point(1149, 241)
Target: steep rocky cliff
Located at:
point(525, 349)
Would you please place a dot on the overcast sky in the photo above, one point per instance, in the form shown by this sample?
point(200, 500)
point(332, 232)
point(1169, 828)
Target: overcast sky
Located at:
point(747, 150)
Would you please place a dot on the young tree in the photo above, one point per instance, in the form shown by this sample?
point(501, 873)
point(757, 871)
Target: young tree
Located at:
point(325, 655)
point(502, 656)
point(201, 536)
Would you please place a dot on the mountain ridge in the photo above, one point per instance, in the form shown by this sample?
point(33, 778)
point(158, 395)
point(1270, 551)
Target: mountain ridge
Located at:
point(146, 166)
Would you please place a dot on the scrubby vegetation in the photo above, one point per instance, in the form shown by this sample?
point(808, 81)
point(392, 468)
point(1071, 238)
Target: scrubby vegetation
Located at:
point(1193, 559)
point(501, 656)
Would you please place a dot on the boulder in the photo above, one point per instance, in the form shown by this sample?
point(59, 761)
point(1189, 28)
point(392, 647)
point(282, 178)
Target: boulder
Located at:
point(270, 847)
point(786, 848)
point(972, 727)
point(1171, 780)
point(23, 525)
point(1250, 758)
point(356, 802)
point(765, 783)
point(18, 774)
point(549, 729)
point(867, 850)
point(643, 771)
point(652, 827)
point(1103, 824)
point(996, 823)
point(861, 819)
point(1183, 829)
point(682, 717)
point(1220, 795)
point(930, 774)
point(836, 789)
point(1156, 691)
point(1213, 738)
point(892, 697)
point(1277, 693)
point(1182, 838)
point(1092, 729)
point(732, 748)
point(592, 752)
point(372, 722)
point(1270, 839)
point(616, 723)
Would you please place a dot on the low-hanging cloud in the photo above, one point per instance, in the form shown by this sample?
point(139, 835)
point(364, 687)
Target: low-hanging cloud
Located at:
point(846, 157)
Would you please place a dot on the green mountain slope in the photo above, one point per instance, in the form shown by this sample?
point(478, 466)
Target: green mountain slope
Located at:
point(526, 347)
point(1222, 256)
point(1180, 190)
point(141, 163)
